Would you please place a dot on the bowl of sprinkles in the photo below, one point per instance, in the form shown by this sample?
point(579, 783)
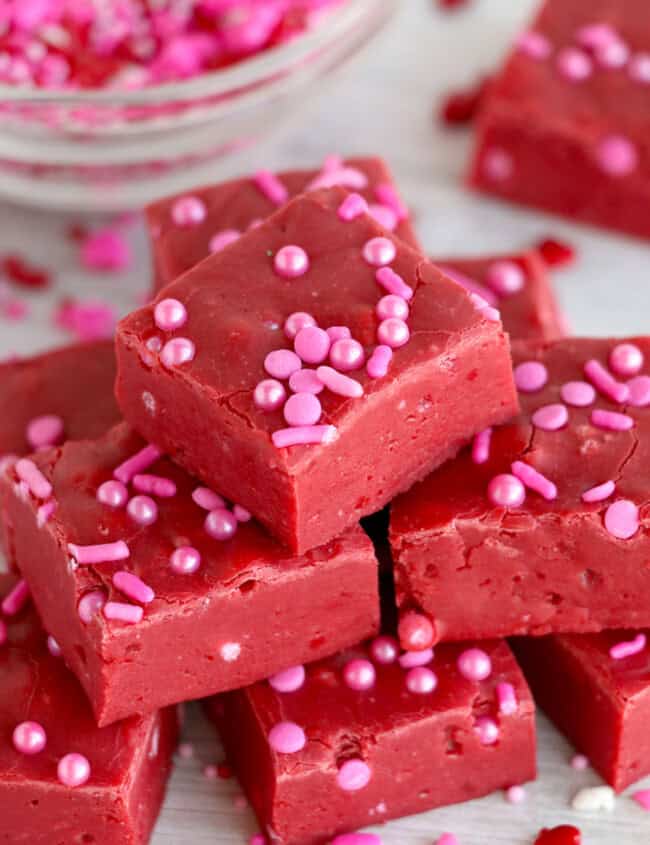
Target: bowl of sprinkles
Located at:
point(106, 104)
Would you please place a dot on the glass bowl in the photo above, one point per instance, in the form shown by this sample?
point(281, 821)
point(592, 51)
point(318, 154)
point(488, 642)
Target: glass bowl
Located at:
point(105, 150)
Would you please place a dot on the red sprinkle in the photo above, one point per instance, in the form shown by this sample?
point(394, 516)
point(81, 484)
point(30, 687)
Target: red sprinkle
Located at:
point(461, 107)
point(566, 834)
point(556, 253)
point(18, 271)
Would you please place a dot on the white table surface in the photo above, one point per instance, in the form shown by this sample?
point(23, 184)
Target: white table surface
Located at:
point(384, 103)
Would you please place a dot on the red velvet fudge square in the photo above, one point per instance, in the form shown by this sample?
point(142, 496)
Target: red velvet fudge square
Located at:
point(205, 370)
point(565, 124)
point(355, 740)
point(596, 688)
point(186, 228)
point(157, 592)
point(110, 789)
point(542, 526)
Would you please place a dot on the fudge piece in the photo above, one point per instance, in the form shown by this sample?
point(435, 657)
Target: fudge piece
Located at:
point(157, 592)
point(564, 125)
point(596, 688)
point(544, 521)
point(185, 229)
point(359, 739)
point(202, 371)
point(63, 780)
point(518, 285)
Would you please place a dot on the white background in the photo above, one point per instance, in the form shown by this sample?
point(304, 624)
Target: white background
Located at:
point(384, 103)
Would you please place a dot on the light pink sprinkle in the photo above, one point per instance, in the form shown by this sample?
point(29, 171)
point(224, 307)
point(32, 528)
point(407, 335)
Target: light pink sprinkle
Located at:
point(346, 177)
point(579, 394)
point(393, 332)
point(388, 196)
point(281, 363)
point(534, 45)
point(505, 277)
point(186, 750)
point(272, 188)
point(90, 605)
point(622, 519)
point(516, 795)
point(487, 730)
point(291, 261)
point(258, 839)
point(106, 250)
point(470, 285)
point(169, 314)
point(36, 482)
point(421, 681)
point(185, 560)
point(45, 512)
point(302, 409)
point(393, 282)
point(353, 775)
point(305, 381)
point(52, 646)
point(188, 211)
point(384, 216)
point(639, 388)
point(611, 420)
point(599, 492)
point(130, 613)
point(99, 553)
point(73, 770)
point(357, 839)
point(304, 435)
point(133, 587)
point(384, 650)
point(412, 659)
point(288, 680)
point(353, 206)
point(594, 35)
point(113, 494)
point(379, 361)
point(574, 64)
point(507, 698)
point(287, 738)
point(530, 376)
point(270, 394)
point(156, 485)
point(16, 599)
point(339, 333)
point(497, 165)
point(506, 491)
point(378, 252)
point(137, 463)
point(448, 839)
point(534, 480)
point(339, 383)
point(222, 239)
point(579, 762)
point(484, 308)
point(605, 383)
point(626, 359)
point(46, 430)
point(297, 321)
point(143, 510)
point(474, 664)
point(241, 514)
point(347, 355)
point(642, 798)
point(359, 674)
point(312, 345)
point(639, 67)
point(614, 55)
point(207, 499)
point(481, 446)
point(551, 417)
point(221, 524)
point(628, 649)
point(617, 155)
point(177, 351)
point(392, 305)
point(210, 772)
point(239, 802)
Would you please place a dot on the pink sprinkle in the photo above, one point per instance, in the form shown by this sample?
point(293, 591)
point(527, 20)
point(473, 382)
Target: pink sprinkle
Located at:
point(605, 383)
point(388, 196)
point(497, 165)
point(137, 463)
point(614, 55)
point(287, 738)
point(143, 510)
point(506, 491)
point(551, 417)
point(177, 351)
point(392, 281)
point(347, 355)
point(29, 738)
point(312, 345)
point(530, 376)
point(269, 184)
point(599, 493)
point(359, 674)
point(305, 381)
point(622, 519)
point(357, 839)
point(617, 156)
point(642, 797)
point(516, 795)
point(474, 664)
point(487, 730)
point(338, 383)
point(188, 211)
point(302, 409)
point(90, 605)
point(113, 494)
point(130, 613)
point(413, 659)
point(106, 250)
point(579, 762)
point(484, 308)
point(258, 839)
point(481, 446)
point(639, 67)
point(574, 64)
point(222, 239)
point(241, 514)
point(384, 650)
point(185, 560)
point(270, 394)
point(384, 216)
point(45, 513)
point(353, 206)
point(595, 35)
point(505, 277)
point(470, 285)
point(507, 698)
point(393, 333)
point(534, 45)
point(36, 482)
point(73, 770)
point(297, 321)
point(379, 361)
point(281, 363)
point(221, 524)
point(99, 553)
point(169, 314)
point(392, 306)
point(378, 252)
point(44, 431)
point(210, 772)
point(421, 681)
point(16, 599)
point(53, 647)
point(448, 839)
point(611, 420)
point(304, 435)
point(626, 359)
point(579, 394)
point(346, 177)
point(534, 480)
point(207, 499)
point(628, 649)
point(289, 680)
point(86, 320)
point(639, 388)
point(353, 775)
point(133, 587)
point(239, 802)
point(291, 261)
point(186, 750)
point(156, 485)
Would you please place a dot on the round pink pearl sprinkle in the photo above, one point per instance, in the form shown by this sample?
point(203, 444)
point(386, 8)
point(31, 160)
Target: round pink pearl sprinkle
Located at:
point(474, 665)
point(416, 631)
point(291, 261)
point(551, 417)
point(579, 394)
point(392, 306)
point(169, 314)
point(29, 738)
point(421, 680)
point(269, 394)
point(579, 762)
point(221, 524)
point(143, 510)
point(639, 388)
point(359, 674)
point(287, 738)
point(289, 680)
point(384, 650)
point(393, 332)
point(505, 277)
point(487, 730)
point(497, 165)
point(188, 211)
point(44, 431)
point(506, 491)
point(112, 493)
point(339, 333)
point(383, 215)
point(353, 775)
point(312, 345)
point(347, 354)
point(626, 359)
point(222, 239)
point(306, 381)
point(302, 409)
point(616, 155)
point(516, 795)
point(281, 363)
point(73, 770)
point(379, 251)
point(534, 44)
point(177, 351)
point(574, 64)
point(297, 321)
point(90, 605)
point(185, 560)
point(530, 376)
point(622, 519)
point(258, 839)
point(52, 646)
point(639, 67)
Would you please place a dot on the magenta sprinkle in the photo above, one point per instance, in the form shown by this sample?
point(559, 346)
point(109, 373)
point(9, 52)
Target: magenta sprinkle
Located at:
point(113, 494)
point(338, 383)
point(530, 376)
point(534, 45)
point(383, 215)
point(378, 252)
point(474, 664)
point(241, 514)
point(156, 485)
point(44, 431)
point(392, 306)
point(353, 775)
point(505, 277)
point(36, 482)
point(484, 308)
point(188, 211)
point(270, 394)
point(357, 839)
point(90, 605)
point(269, 184)
point(44, 512)
point(605, 383)
point(421, 681)
point(507, 698)
point(579, 394)
point(106, 250)
point(207, 499)
point(222, 239)
point(305, 381)
point(379, 361)
point(99, 553)
point(359, 674)
point(143, 510)
point(16, 599)
point(73, 770)
point(347, 355)
point(470, 285)
point(481, 446)
point(291, 261)
point(628, 649)
point(312, 345)
point(622, 519)
point(339, 333)
point(626, 359)
point(611, 420)
point(345, 177)
point(177, 351)
point(393, 283)
point(29, 738)
point(534, 480)
point(304, 435)
point(617, 155)
point(287, 738)
point(599, 492)
point(551, 417)
point(221, 524)
point(137, 463)
point(388, 196)
point(487, 730)
point(281, 363)
point(353, 206)
point(596, 35)
point(297, 321)
point(642, 798)
point(574, 64)
point(506, 491)
point(393, 333)
point(639, 388)
point(384, 650)
point(185, 560)
point(413, 659)
point(133, 587)
point(302, 409)
point(131, 614)
point(288, 680)
point(169, 314)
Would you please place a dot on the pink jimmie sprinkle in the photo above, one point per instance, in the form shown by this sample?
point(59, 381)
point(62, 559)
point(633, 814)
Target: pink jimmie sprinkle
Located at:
point(388, 196)
point(359, 839)
point(346, 177)
point(222, 239)
point(595, 35)
point(383, 215)
point(130, 613)
point(241, 514)
point(642, 798)
point(46, 430)
point(611, 420)
point(551, 417)
point(605, 383)
point(353, 206)
point(484, 308)
point(628, 649)
point(287, 738)
point(448, 839)
point(622, 519)
point(599, 492)
point(106, 250)
point(481, 446)
point(534, 480)
point(137, 463)
point(156, 485)
point(338, 383)
point(133, 587)
point(470, 285)
point(393, 283)
point(530, 376)
point(379, 361)
point(36, 482)
point(304, 435)
point(507, 698)
point(99, 553)
point(353, 775)
point(412, 659)
point(378, 252)
point(207, 499)
point(14, 601)
point(269, 184)
point(45, 512)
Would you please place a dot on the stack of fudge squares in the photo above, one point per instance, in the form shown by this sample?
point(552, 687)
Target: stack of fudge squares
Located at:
point(197, 534)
